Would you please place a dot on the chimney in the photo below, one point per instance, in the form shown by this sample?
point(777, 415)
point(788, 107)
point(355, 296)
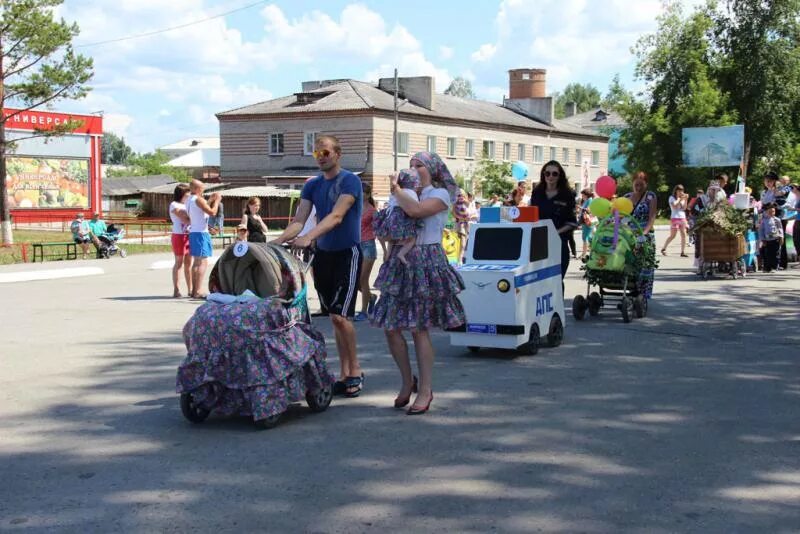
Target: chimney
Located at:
point(417, 89)
point(571, 109)
point(527, 89)
point(527, 83)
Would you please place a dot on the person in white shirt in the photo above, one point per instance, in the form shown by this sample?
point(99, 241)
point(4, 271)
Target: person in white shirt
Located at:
point(199, 238)
point(677, 203)
point(180, 239)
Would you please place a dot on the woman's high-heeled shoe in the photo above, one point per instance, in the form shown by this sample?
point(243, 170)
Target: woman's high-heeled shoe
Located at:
point(420, 411)
point(402, 403)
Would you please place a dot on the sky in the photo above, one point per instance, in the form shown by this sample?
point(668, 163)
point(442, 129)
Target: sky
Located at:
point(158, 89)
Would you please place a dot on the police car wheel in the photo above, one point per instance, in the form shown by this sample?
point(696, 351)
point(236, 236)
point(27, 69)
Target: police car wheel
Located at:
point(595, 302)
point(473, 348)
point(532, 346)
point(556, 332)
point(579, 306)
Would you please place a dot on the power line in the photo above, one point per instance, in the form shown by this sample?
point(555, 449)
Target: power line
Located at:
point(156, 32)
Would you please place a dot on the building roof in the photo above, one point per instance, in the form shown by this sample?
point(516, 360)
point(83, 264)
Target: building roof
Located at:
point(170, 187)
point(596, 118)
point(133, 185)
point(260, 191)
point(193, 143)
point(206, 157)
point(352, 95)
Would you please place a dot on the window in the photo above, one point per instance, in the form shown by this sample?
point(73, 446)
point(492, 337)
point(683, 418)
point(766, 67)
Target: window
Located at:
point(521, 152)
point(497, 244)
point(469, 148)
point(595, 158)
point(578, 156)
point(451, 147)
point(506, 151)
point(276, 144)
point(402, 143)
point(431, 143)
point(488, 149)
point(309, 140)
point(553, 153)
point(538, 154)
point(564, 156)
point(539, 243)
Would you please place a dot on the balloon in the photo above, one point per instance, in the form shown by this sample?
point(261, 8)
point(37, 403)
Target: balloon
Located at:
point(519, 171)
point(623, 205)
point(731, 199)
point(600, 207)
point(605, 186)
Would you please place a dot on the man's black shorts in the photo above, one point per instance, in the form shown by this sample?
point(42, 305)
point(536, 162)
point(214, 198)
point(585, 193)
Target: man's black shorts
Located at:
point(336, 275)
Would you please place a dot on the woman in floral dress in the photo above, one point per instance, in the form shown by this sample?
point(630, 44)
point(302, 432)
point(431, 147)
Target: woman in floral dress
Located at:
point(644, 211)
point(422, 295)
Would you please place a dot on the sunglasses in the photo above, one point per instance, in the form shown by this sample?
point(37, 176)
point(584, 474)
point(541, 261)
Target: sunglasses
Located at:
point(553, 173)
point(324, 153)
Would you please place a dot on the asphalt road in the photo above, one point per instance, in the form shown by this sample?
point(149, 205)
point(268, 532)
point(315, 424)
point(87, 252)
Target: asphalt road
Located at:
point(685, 421)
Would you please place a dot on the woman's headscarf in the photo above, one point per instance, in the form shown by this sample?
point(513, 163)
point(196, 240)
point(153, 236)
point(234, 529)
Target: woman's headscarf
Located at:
point(438, 171)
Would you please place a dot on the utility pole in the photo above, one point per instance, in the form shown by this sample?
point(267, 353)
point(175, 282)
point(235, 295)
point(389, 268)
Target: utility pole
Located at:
point(396, 140)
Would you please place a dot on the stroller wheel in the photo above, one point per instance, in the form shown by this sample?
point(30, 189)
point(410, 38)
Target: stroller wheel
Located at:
point(191, 411)
point(640, 306)
point(473, 348)
point(579, 307)
point(270, 422)
point(123, 253)
point(595, 302)
point(319, 401)
point(626, 307)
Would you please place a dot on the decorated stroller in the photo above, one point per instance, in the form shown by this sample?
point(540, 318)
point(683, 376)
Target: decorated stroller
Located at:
point(251, 349)
point(619, 256)
point(109, 241)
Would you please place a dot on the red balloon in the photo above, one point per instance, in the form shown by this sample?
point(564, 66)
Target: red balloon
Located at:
point(605, 186)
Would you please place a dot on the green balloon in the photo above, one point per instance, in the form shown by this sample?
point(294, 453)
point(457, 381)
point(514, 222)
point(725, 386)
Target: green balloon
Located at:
point(600, 207)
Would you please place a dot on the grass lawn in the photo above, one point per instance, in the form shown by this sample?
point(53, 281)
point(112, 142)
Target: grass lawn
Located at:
point(14, 254)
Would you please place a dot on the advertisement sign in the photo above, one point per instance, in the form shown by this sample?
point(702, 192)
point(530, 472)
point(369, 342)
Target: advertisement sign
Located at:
point(47, 183)
point(47, 120)
point(721, 146)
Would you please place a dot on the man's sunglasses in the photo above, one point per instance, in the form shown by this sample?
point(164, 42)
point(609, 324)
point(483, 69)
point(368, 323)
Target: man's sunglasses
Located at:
point(324, 153)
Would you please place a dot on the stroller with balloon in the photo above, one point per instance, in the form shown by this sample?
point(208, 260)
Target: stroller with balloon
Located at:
point(619, 256)
point(251, 348)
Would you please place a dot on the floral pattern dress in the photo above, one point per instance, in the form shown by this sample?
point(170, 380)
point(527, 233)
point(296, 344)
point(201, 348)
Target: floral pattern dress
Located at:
point(641, 212)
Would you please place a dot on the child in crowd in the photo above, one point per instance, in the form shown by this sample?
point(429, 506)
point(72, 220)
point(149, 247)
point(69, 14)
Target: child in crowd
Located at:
point(241, 232)
point(461, 214)
point(392, 224)
point(586, 220)
point(770, 234)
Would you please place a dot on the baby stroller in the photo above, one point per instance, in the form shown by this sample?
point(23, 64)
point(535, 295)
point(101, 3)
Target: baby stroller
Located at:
point(614, 266)
point(257, 352)
point(108, 242)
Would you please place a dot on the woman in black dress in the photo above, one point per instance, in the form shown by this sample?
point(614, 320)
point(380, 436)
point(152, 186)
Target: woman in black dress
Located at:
point(256, 228)
point(556, 201)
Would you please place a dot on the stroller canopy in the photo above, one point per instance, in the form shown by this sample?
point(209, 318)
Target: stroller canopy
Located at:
point(266, 270)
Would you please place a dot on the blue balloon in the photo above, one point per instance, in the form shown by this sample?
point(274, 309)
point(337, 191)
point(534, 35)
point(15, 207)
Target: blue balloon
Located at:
point(519, 170)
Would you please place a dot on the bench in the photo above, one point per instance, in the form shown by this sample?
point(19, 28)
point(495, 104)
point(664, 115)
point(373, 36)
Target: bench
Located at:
point(70, 246)
point(227, 239)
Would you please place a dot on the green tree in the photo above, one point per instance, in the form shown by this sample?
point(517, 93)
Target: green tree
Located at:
point(675, 62)
point(150, 164)
point(460, 87)
point(493, 178)
point(115, 151)
point(38, 66)
point(585, 96)
point(617, 95)
point(759, 67)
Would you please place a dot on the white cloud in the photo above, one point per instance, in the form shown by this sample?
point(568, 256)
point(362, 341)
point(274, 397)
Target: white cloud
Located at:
point(491, 93)
point(117, 123)
point(446, 52)
point(484, 53)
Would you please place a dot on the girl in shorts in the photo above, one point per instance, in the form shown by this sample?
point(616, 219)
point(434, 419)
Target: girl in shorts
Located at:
point(677, 203)
point(180, 239)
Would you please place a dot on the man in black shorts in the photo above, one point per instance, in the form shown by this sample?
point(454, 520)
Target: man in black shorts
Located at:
point(336, 196)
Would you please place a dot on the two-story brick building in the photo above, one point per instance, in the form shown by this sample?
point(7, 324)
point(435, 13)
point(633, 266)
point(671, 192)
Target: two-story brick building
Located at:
point(271, 142)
